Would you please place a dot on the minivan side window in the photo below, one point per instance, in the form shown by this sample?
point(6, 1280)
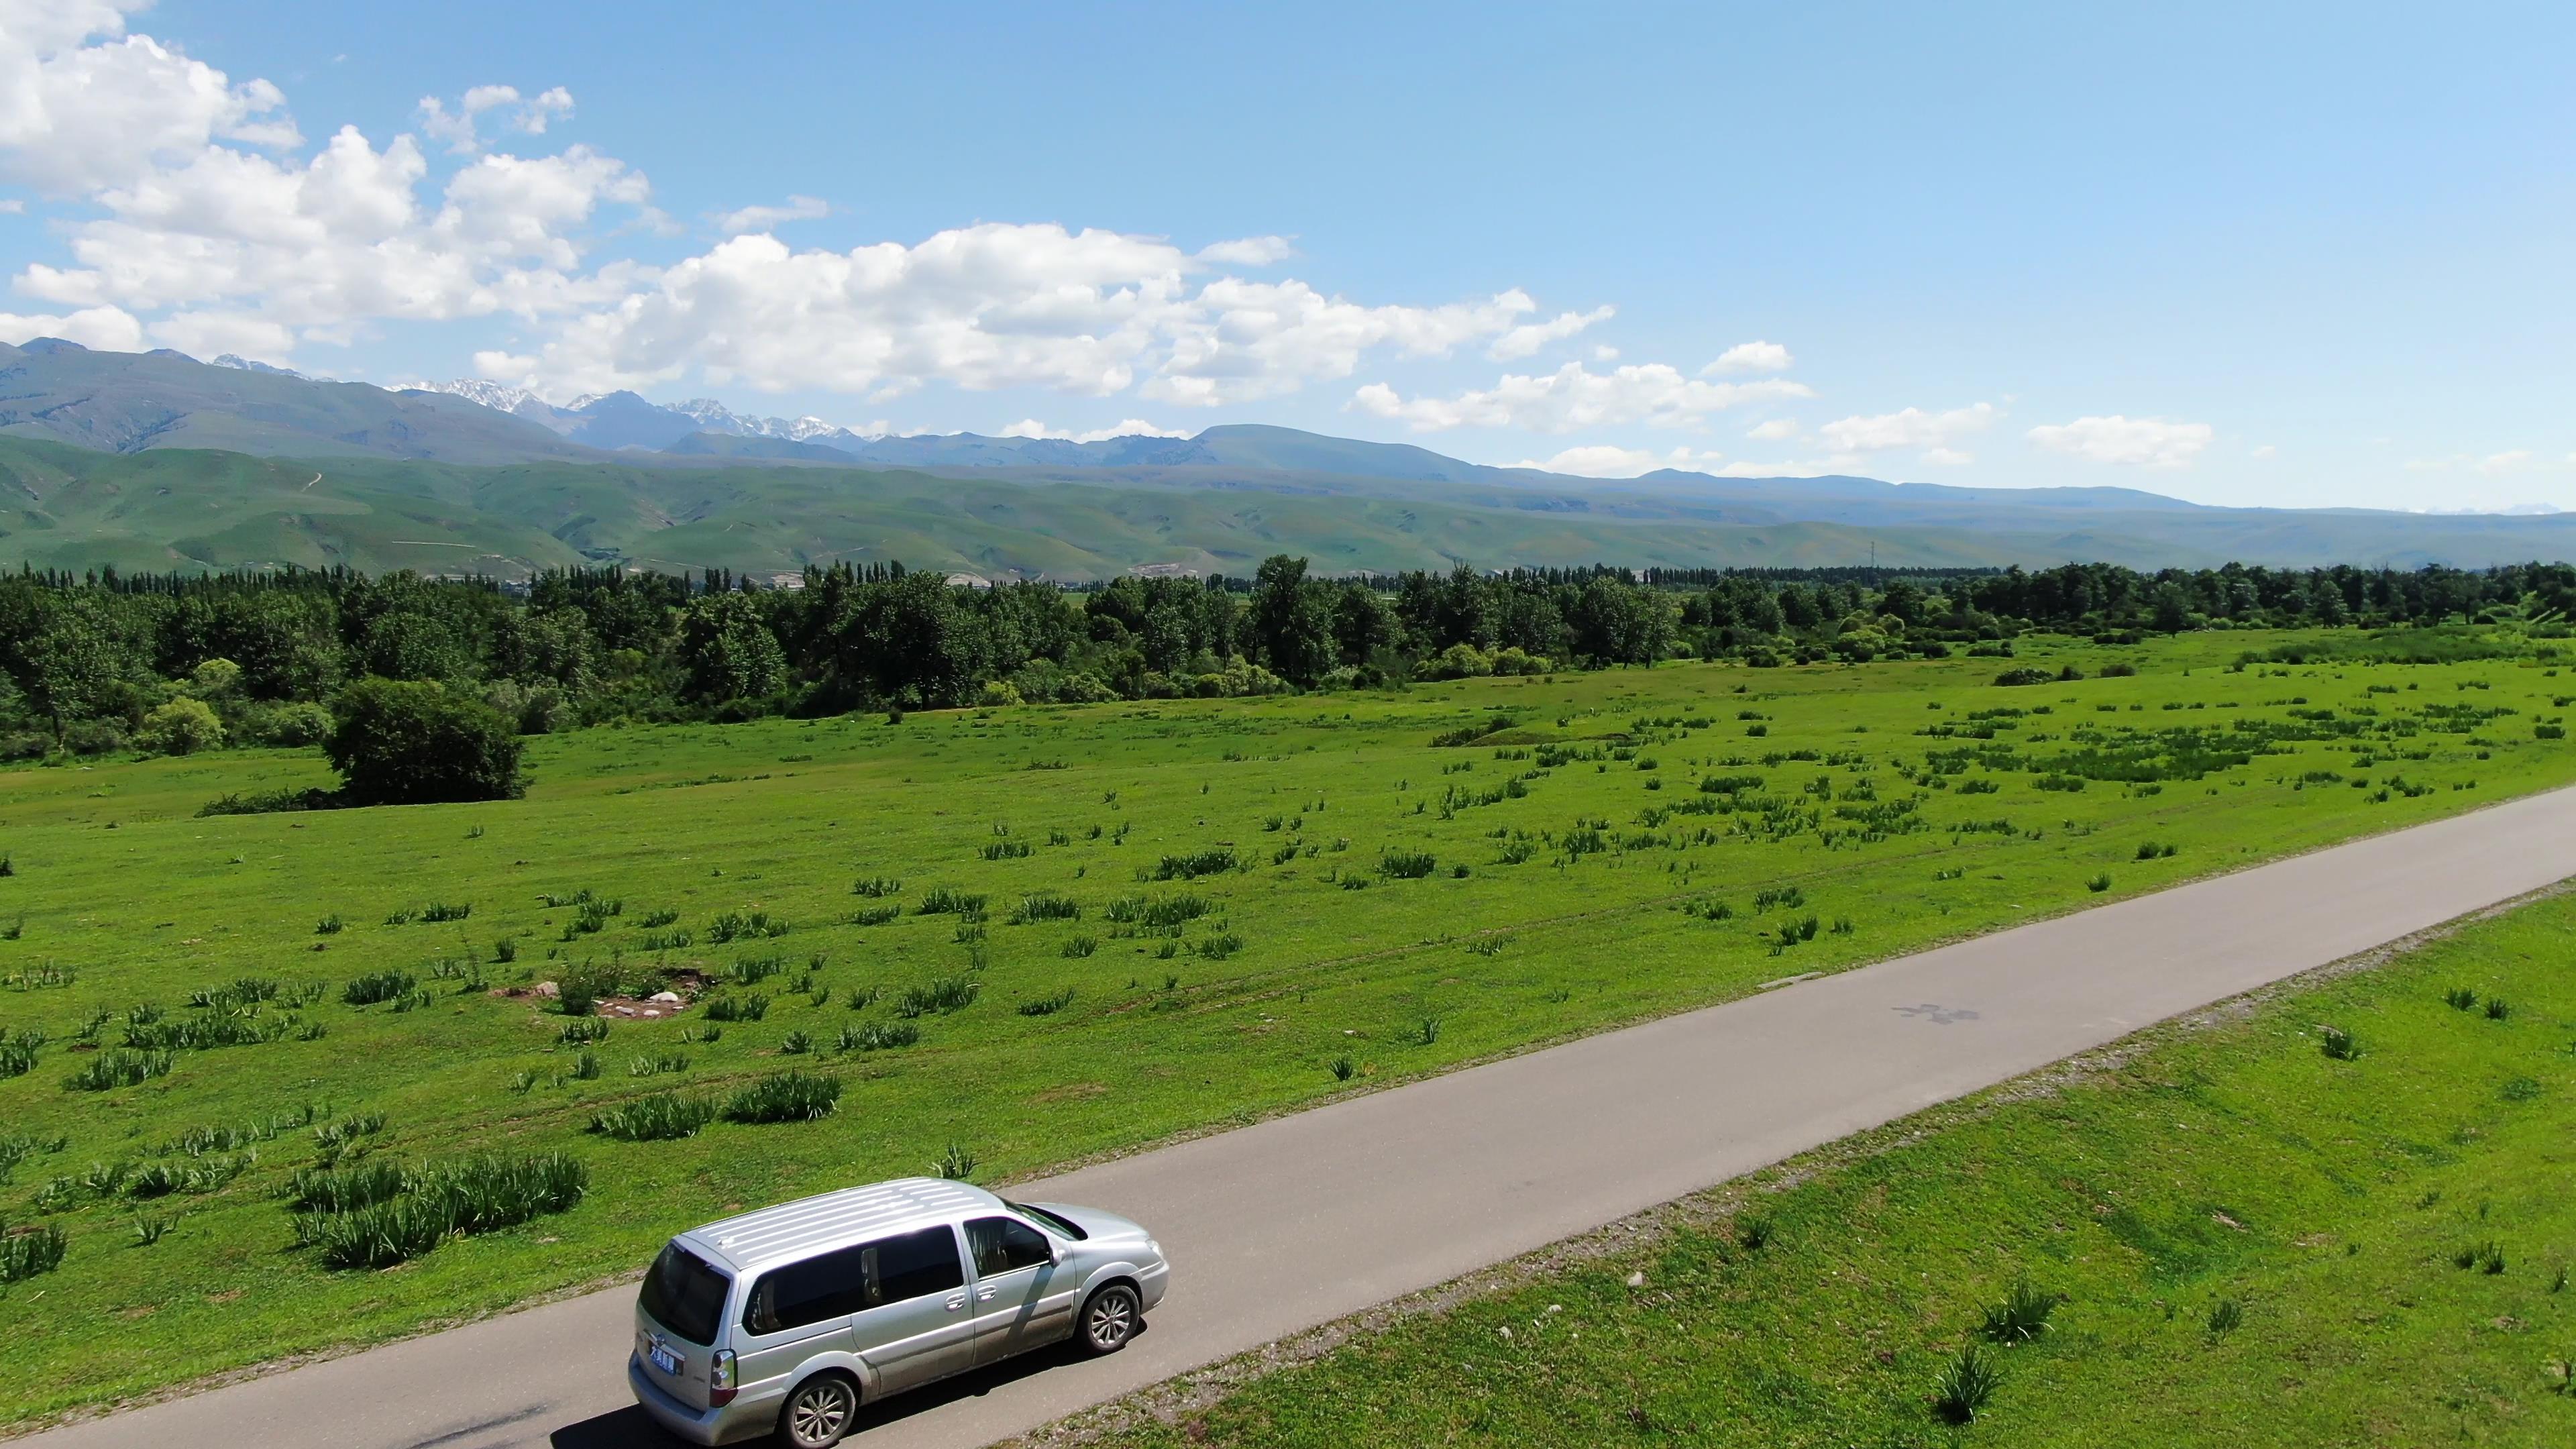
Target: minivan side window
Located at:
point(831, 1285)
point(912, 1265)
point(1004, 1244)
point(853, 1280)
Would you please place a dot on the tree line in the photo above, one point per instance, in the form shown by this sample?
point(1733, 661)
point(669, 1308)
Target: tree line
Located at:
point(178, 662)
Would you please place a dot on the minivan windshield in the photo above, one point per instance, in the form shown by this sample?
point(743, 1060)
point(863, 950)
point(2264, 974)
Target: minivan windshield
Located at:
point(1049, 1219)
point(684, 1294)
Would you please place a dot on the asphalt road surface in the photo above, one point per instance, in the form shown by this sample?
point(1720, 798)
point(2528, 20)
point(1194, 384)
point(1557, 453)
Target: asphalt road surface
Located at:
point(1301, 1220)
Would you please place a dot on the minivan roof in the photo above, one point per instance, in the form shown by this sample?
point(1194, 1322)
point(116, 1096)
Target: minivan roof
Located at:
point(793, 1229)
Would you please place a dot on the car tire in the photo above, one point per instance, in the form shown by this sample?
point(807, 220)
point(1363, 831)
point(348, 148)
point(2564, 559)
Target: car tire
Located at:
point(1110, 1317)
point(816, 1416)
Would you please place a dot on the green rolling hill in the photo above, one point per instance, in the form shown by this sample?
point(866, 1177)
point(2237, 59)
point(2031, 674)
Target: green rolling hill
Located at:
point(169, 508)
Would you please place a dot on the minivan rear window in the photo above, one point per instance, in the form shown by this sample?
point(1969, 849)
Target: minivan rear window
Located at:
point(684, 1294)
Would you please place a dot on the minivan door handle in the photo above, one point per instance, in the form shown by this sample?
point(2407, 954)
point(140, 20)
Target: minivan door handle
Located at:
point(984, 1295)
point(956, 1301)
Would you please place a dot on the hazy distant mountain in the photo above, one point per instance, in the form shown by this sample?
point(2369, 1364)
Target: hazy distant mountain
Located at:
point(236, 360)
point(125, 402)
point(617, 476)
point(624, 420)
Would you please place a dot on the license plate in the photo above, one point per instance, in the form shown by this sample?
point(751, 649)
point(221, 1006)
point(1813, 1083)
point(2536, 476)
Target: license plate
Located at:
point(663, 1358)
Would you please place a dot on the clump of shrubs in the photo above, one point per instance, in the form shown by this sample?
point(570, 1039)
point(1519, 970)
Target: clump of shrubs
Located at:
point(948, 993)
point(1216, 860)
point(1046, 906)
point(377, 986)
point(458, 1198)
point(790, 1096)
point(656, 1118)
point(1398, 864)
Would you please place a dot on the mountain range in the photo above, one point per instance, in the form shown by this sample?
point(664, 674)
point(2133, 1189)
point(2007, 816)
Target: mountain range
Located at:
point(155, 460)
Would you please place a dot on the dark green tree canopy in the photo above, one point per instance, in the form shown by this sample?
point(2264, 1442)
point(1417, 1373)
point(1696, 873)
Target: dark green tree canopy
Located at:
point(411, 742)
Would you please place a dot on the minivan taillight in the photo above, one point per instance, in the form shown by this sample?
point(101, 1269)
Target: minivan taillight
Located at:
point(720, 1379)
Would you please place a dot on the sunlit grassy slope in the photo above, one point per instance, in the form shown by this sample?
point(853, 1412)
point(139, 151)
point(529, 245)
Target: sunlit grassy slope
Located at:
point(1907, 803)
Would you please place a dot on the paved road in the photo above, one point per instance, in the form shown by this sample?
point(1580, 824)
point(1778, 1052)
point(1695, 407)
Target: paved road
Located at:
point(1298, 1221)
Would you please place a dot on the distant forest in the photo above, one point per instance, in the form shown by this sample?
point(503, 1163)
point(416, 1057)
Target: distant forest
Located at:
point(176, 662)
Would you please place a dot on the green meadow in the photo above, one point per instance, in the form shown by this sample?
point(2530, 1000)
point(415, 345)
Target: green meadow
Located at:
point(1003, 940)
point(2231, 1237)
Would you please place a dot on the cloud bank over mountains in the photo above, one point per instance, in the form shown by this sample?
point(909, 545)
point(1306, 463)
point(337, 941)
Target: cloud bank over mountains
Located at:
point(194, 212)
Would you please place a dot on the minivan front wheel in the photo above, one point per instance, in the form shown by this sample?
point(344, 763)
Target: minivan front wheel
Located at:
point(818, 1413)
point(1110, 1319)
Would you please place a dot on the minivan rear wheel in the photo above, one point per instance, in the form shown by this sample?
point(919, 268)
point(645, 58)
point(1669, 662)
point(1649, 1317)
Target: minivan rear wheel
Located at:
point(1110, 1319)
point(818, 1413)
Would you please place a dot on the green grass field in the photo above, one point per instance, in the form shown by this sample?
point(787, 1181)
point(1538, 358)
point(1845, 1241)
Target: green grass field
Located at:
point(1391, 909)
point(2248, 1241)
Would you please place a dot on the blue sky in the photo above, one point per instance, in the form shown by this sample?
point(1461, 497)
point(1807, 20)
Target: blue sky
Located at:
point(2311, 256)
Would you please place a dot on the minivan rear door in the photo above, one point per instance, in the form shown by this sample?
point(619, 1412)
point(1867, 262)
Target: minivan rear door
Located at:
point(679, 1314)
point(916, 1323)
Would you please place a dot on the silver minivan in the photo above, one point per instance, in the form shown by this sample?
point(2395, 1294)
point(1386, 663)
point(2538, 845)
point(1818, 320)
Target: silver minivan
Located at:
point(785, 1320)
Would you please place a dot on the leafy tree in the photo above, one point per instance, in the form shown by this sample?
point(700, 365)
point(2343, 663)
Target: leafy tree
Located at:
point(407, 742)
point(2172, 608)
point(181, 727)
point(1293, 620)
point(908, 639)
point(408, 645)
point(728, 650)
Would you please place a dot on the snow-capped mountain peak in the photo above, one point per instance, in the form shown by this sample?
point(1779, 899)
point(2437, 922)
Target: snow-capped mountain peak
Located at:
point(236, 361)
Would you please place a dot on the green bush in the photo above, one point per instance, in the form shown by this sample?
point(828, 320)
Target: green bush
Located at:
point(744, 926)
point(657, 1118)
point(1215, 860)
point(181, 727)
point(948, 993)
point(877, 1036)
point(1396, 864)
point(18, 1055)
point(1157, 913)
point(1048, 1005)
point(377, 986)
point(2023, 1315)
point(1046, 906)
point(789, 1096)
point(2025, 675)
point(738, 1008)
point(399, 742)
point(941, 901)
point(24, 1254)
point(1964, 1386)
point(292, 726)
point(463, 1197)
point(341, 1190)
point(112, 1069)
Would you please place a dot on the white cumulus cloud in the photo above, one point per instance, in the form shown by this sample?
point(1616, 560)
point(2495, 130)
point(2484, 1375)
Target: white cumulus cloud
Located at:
point(1129, 428)
point(83, 104)
point(2136, 442)
point(1574, 397)
point(1750, 357)
point(1249, 251)
point(1772, 430)
point(108, 328)
point(762, 218)
point(1908, 428)
point(1608, 460)
point(1529, 337)
point(461, 128)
